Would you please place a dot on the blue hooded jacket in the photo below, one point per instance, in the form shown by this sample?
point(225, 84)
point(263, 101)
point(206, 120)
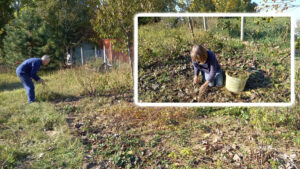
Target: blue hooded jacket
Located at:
point(30, 67)
point(211, 66)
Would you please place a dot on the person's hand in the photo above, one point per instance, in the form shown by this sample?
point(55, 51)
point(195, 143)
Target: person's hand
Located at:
point(195, 80)
point(203, 88)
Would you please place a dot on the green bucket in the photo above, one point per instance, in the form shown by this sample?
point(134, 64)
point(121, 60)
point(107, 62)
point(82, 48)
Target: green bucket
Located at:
point(235, 84)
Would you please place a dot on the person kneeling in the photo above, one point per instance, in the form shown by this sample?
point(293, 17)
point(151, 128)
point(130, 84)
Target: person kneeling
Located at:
point(205, 61)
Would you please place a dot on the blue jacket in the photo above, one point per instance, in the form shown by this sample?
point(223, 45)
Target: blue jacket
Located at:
point(211, 66)
point(30, 67)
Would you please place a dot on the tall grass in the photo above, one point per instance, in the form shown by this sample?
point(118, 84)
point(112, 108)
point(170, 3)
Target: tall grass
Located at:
point(82, 81)
point(158, 41)
point(155, 41)
point(115, 81)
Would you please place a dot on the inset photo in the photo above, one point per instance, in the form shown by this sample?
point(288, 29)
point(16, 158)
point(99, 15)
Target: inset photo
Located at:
point(213, 59)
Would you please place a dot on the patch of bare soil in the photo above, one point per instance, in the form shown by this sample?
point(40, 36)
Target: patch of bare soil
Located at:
point(171, 81)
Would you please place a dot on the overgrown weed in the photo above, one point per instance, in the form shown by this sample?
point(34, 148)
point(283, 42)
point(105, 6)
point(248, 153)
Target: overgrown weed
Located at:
point(116, 81)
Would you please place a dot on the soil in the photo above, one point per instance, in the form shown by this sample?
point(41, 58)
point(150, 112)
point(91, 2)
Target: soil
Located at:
point(171, 81)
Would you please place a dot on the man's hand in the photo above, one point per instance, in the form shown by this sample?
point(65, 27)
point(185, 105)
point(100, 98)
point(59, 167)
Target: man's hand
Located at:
point(203, 88)
point(195, 80)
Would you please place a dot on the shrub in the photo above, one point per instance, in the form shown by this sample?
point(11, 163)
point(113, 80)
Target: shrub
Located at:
point(117, 81)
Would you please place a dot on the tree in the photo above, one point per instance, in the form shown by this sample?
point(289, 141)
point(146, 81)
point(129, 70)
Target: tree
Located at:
point(217, 5)
point(6, 13)
point(27, 36)
point(114, 19)
point(234, 5)
point(65, 24)
point(68, 20)
point(277, 5)
point(202, 6)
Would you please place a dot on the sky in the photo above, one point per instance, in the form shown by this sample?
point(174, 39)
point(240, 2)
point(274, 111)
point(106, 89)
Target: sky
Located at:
point(295, 11)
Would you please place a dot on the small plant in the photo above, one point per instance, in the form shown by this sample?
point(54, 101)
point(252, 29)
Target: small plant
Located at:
point(125, 159)
point(274, 163)
point(173, 155)
point(87, 79)
point(186, 152)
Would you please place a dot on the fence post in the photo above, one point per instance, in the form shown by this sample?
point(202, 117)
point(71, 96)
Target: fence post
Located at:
point(104, 54)
point(81, 53)
point(242, 28)
point(204, 23)
point(95, 51)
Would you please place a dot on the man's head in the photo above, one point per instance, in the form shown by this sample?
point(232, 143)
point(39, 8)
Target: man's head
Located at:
point(45, 60)
point(199, 54)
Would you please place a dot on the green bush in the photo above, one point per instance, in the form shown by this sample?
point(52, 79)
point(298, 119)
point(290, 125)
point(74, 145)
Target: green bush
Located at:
point(30, 36)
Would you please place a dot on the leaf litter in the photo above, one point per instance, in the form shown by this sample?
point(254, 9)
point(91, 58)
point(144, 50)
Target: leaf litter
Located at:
point(123, 135)
point(172, 81)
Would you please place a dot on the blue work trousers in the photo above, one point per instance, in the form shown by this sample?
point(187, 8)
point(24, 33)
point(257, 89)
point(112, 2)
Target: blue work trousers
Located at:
point(28, 85)
point(218, 81)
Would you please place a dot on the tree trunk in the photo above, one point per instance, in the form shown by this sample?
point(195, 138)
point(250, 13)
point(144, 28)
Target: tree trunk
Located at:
point(175, 22)
point(129, 44)
point(191, 27)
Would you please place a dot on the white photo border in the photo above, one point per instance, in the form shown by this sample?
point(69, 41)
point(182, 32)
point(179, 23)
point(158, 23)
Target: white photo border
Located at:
point(226, 104)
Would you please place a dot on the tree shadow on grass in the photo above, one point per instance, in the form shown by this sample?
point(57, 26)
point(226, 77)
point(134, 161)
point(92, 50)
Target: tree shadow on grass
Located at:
point(257, 80)
point(10, 86)
point(50, 96)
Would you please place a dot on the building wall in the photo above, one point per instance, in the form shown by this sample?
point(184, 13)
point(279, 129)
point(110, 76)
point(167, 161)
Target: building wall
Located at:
point(113, 55)
point(103, 45)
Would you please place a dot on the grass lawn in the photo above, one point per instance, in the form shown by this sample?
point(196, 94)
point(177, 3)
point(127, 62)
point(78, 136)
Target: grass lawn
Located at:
point(90, 121)
point(33, 135)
